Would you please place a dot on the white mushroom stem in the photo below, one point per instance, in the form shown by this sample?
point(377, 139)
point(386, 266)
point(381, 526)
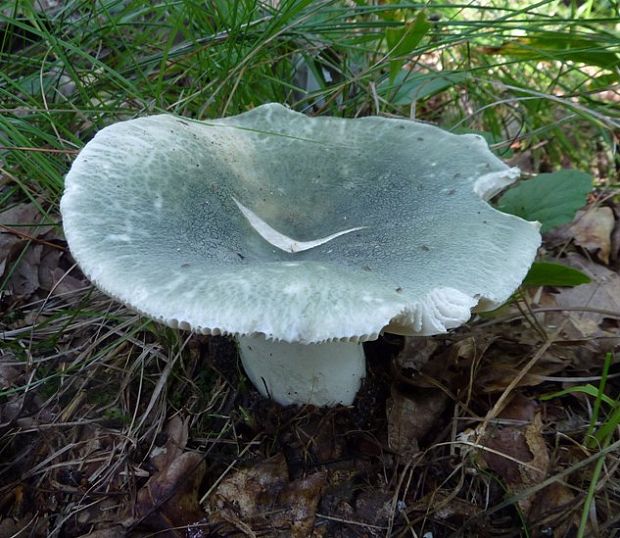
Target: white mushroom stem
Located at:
point(317, 374)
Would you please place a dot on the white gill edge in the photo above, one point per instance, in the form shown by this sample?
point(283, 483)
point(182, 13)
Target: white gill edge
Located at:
point(281, 241)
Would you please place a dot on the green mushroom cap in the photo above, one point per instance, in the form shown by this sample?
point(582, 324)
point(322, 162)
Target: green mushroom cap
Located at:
point(300, 229)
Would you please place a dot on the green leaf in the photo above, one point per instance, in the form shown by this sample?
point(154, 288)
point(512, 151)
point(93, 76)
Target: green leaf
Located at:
point(603, 82)
point(554, 274)
point(414, 86)
point(551, 199)
point(559, 46)
point(401, 41)
point(590, 390)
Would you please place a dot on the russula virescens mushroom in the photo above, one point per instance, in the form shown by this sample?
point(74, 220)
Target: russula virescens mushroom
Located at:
point(300, 236)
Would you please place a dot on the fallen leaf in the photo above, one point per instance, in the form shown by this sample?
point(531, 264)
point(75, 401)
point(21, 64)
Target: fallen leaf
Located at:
point(555, 511)
point(24, 279)
point(8, 243)
point(249, 491)
point(53, 278)
point(312, 439)
point(31, 525)
point(169, 499)
point(10, 374)
point(20, 223)
point(412, 415)
point(592, 229)
point(517, 453)
point(168, 502)
point(416, 352)
point(261, 501)
point(445, 505)
point(499, 372)
point(491, 362)
point(299, 501)
point(118, 531)
point(602, 294)
point(176, 435)
point(373, 506)
point(30, 254)
point(65, 284)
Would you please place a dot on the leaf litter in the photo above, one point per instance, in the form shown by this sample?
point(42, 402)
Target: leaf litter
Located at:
point(34, 259)
point(592, 230)
point(449, 435)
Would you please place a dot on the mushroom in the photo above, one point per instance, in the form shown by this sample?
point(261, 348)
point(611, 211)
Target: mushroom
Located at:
point(302, 237)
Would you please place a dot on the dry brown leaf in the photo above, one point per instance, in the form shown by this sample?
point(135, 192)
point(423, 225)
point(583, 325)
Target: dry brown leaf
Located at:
point(416, 352)
point(411, 416)
point(176, 434)
point(554, 510)
point(169, 500)
point(49, 261)
point(20, 223)
point(517, 453)
point(30, 525)
point(260, 499)
point(501, 371)
point(63, 284)
point(53, 278)
point(10, 374)
point(312, 439)
point(32, 257)
point(445, 505)
point(601, 295)
point(24, 279)
point(8, 246)
point(118, 531)
point(373, 506)
point(20, 256)
point(592, 229)
point(299, 501)
point(249, 491)
point(455, 365)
